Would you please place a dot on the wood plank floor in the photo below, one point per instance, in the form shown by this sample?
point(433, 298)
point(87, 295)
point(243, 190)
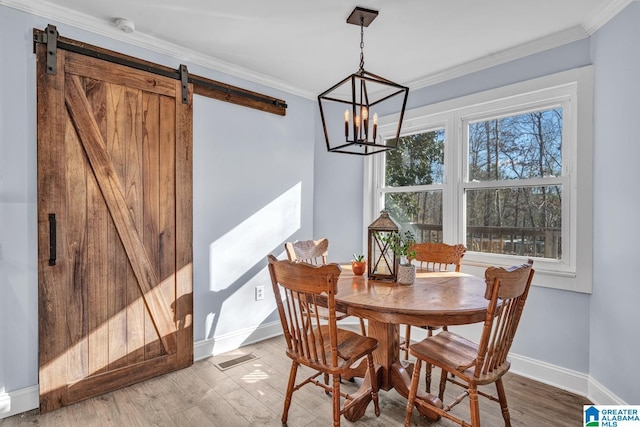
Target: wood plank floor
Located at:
point(251, 394)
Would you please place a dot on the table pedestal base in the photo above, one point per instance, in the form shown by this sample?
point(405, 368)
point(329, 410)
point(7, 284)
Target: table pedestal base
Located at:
point(362, 397)
point(424, 403)
point(400, 381)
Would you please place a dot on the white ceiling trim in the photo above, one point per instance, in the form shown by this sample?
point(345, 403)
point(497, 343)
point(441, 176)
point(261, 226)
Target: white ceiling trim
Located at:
point(603, 16)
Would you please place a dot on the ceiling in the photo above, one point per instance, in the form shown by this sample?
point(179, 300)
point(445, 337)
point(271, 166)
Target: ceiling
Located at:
point(304, 47)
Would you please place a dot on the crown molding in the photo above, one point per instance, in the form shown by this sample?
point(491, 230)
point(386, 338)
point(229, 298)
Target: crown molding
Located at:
point(108, 29)
point(536, 46)
point(604, 15)
point(589, 27)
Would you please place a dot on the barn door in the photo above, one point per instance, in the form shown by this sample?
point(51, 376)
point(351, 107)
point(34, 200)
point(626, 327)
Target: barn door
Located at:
point(114, 227)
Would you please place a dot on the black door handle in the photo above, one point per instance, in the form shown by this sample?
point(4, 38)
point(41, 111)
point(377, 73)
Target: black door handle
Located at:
point(52, 239)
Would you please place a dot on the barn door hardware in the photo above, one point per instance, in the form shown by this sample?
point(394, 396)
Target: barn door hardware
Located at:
point(52, 239)
point(184, 79)
point(201, 85)
point(50, 37)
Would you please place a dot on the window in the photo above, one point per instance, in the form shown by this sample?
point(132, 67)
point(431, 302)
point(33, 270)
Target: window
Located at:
point(413, 179)
point(498, 171)
point(513, 189)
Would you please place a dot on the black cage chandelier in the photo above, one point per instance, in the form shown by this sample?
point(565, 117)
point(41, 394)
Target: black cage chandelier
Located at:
point(349, 109)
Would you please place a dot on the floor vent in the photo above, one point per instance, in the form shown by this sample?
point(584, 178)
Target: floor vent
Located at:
point(235, 361)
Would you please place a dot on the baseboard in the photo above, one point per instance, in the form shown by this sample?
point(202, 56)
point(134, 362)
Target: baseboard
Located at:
point(19, 401)
point(556, 376)
point(223, 343)
point(601, 395)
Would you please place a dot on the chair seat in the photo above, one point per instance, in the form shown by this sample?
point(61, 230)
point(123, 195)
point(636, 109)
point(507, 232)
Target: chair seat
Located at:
point(351, 347)
point(447, 348)
point(457, 352)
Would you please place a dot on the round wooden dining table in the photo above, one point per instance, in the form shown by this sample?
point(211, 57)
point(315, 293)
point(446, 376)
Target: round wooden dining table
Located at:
point(435, 299)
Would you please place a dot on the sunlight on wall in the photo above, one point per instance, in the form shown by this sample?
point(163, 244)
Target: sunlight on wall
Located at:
point(235, 253)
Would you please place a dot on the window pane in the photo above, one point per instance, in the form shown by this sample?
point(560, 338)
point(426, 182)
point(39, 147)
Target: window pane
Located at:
point(516, 147)
point(418, 160)
point(518, 221)
point(419, 212)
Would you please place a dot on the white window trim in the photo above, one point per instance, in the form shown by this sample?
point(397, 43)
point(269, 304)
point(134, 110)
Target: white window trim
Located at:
point(573, 91)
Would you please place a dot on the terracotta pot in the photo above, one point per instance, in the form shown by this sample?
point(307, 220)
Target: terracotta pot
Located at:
point(358, 267)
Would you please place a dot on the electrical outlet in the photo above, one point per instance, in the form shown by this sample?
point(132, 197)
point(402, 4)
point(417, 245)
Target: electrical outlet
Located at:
point(259, 293)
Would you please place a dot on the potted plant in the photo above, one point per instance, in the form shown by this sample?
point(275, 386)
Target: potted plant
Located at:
point(400, 244)
point(358, 265)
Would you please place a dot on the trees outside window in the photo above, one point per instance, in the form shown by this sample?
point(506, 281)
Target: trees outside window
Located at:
point(515, 218)
point(412, 171)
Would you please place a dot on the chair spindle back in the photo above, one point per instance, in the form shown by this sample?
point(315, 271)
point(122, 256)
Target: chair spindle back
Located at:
point(438, 256)
point(507, 291)
point(302, 291)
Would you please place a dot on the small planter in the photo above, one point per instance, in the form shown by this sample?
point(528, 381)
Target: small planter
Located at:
point(359, 267)
point(406, 274)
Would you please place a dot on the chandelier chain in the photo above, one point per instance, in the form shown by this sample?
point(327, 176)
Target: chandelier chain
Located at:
point(361, 44)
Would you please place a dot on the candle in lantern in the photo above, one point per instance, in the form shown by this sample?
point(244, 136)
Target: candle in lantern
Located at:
point(346, 123)
point(357, 123)
point(365, 121)
point(375, 125)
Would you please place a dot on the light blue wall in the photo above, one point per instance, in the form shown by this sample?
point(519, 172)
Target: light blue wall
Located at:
point(337, 199)
point(615, 315)
point(253, 186)
point(596, 335)
point(18, 239)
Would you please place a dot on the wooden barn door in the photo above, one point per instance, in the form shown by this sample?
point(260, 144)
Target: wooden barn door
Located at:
point(114, 227)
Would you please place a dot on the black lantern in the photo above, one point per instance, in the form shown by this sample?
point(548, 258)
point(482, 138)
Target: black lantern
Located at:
point(349, 109)
point(383, 263)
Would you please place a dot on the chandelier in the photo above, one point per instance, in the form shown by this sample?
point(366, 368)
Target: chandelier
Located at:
point(349, 109)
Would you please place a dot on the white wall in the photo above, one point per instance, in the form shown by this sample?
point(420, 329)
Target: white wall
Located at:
point(615, 315)
point(253, 186)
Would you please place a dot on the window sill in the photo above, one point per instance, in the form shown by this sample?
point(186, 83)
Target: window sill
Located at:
point(561, 280)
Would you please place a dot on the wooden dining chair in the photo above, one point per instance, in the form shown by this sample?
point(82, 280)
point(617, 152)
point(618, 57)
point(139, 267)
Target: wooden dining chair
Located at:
point(315, 252)
point(433, 257)
point(474, 364)
point(317, 342)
